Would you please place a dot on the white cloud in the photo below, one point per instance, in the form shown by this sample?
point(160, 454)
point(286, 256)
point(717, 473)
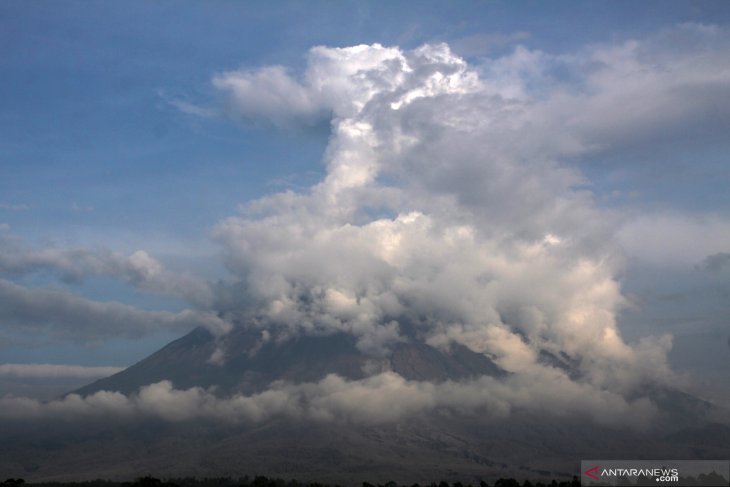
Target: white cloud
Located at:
point(282, 99)
point(489, 245)
point(139, 269)
point(337, 82)
point(381, 398)
point(669, 87)
point(36, 315)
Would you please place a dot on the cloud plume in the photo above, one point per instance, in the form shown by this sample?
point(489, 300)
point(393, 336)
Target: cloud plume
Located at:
point(447, 214)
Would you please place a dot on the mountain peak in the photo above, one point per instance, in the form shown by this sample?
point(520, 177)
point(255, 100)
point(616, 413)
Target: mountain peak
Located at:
point(250, 364)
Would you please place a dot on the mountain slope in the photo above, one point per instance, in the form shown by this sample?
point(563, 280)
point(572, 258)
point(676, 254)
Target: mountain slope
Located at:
point(447, 444)
point(250, 367)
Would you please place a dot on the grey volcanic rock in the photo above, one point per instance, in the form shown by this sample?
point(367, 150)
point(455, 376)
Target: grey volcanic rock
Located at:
point(250, 366)
point(183, 362)
point(418, 361)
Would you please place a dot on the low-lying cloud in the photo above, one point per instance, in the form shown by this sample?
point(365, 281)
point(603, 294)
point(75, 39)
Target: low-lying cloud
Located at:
point(45, 371)
point(381, 398)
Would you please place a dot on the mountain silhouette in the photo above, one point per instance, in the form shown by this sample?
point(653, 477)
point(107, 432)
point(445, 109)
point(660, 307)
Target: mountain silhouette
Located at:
point(250, 366)
point(450, 445)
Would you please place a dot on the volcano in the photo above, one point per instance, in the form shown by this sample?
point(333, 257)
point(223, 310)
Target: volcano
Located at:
point(251, 366)
point(444, 444)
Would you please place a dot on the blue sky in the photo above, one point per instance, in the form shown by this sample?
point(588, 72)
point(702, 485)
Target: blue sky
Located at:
point(98, 152)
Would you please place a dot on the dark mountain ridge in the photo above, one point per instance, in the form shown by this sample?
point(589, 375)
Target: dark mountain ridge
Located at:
point(452, 445)
point(249, 366)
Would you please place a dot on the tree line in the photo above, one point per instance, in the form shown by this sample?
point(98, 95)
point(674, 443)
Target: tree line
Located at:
point(263, 481)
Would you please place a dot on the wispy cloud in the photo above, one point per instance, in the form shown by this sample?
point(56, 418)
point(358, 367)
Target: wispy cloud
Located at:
point(14, 206)
point(147, 274)
point(673, 239)
point(716, 262)
point(485, 43)
point(44, 371)
point(61, 315)
point(75, 207)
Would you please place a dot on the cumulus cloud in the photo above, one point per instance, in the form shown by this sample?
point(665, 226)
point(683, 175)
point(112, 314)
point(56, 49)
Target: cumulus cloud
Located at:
point(668, 86)
point(377, 399)
point(489, 241)
point(284, 100)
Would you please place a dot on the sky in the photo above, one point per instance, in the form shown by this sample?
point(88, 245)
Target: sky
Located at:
point(169, 165)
